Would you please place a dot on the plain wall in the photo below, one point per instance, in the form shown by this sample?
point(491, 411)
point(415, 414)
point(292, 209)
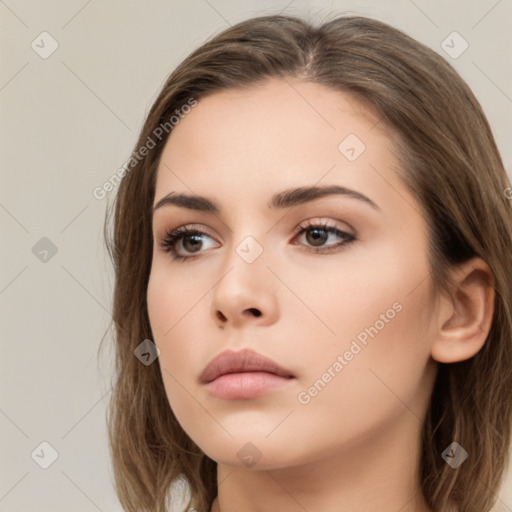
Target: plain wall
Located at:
point(68, 122)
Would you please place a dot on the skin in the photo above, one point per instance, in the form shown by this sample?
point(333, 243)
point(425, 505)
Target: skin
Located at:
point(354, 446)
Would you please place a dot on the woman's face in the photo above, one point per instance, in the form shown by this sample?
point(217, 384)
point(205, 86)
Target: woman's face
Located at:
point(342, 305)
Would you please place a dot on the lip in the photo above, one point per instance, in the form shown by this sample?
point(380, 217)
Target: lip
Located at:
point(243, 374)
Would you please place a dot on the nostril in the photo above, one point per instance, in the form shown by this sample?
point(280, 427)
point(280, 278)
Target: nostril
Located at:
point(221, 316)
point(255, 312)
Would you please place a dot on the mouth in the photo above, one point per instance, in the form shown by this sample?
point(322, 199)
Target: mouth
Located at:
point(243, 375)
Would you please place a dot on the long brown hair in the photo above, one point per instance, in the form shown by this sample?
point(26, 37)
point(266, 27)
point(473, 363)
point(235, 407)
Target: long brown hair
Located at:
point(448, 159)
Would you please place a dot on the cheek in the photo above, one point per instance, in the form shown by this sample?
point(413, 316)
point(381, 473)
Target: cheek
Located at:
point(173, 297)
point(339, 298)
point(173, 312)
point(378, 315)
point(383, 342)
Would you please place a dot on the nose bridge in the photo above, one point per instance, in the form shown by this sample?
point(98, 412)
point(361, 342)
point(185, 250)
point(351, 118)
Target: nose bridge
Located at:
point(247, 241)
point(244, 267)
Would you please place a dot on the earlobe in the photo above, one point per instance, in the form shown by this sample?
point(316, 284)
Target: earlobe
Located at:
point(465, 317)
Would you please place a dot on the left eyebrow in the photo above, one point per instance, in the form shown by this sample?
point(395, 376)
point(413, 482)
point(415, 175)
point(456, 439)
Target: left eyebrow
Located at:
point(284, 199)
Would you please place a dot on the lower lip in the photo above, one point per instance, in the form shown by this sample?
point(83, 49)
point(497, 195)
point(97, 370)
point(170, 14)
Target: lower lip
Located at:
point(245, 385)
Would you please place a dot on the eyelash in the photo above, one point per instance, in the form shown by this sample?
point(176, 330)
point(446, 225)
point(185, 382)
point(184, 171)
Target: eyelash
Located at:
point(171, 238)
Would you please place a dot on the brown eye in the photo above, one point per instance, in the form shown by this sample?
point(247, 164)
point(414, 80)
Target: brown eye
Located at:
point(317, 236)
point(191, 241)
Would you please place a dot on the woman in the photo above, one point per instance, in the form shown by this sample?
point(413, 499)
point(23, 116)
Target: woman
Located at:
point(311, 252)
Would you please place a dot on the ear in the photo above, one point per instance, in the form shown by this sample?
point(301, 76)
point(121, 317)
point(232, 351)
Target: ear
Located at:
point(465, 314)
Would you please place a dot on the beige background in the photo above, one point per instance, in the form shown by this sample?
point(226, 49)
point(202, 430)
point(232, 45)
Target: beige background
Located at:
point(68, 122)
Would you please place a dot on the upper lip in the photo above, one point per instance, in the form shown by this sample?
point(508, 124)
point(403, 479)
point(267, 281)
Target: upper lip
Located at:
point(245, 360)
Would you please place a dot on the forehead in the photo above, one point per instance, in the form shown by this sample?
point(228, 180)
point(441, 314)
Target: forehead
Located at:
point(278, 134)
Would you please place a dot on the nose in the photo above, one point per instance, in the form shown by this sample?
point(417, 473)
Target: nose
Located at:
point(245, 294)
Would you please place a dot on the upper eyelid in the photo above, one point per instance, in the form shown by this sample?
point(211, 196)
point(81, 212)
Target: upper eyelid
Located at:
point(320, 221)
point(190, 227)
